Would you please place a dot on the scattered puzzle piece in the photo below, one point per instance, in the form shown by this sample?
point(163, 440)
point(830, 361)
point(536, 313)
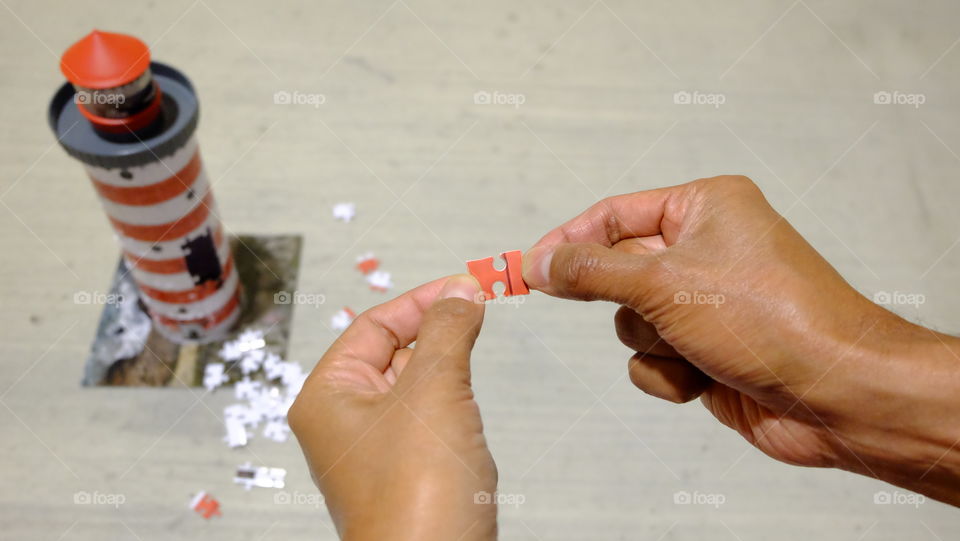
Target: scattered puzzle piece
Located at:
point(251, 361)
point(344, 212)
point(214, 376)
point(277, 431)
point(265, 400)
point(511, 276)
point(241, 413)
point(380, 281)
point(266, 405)
point(342, 319)
point(205, 504)
point(246, 389)
point(272, 366)
point(250, 476)
point(237, 435)
point(367, 263)
point(249, 340)
point(292, 372)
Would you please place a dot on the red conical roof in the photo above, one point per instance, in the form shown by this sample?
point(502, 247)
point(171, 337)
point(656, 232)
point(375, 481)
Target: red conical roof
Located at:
point(105, 60)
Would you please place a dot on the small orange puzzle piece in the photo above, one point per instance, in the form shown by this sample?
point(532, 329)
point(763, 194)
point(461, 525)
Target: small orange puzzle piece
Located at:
point(511, 276)
point(206, 505)
point(366, 263)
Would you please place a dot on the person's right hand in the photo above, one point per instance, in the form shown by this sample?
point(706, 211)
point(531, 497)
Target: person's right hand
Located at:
point(723, 299)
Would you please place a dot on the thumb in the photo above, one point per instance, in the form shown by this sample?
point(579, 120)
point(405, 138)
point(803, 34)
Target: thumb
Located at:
point(447, 333)
point(588, 271)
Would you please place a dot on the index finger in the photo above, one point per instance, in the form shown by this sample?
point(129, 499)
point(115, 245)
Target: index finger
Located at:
point(610, 220)
point(379, 332)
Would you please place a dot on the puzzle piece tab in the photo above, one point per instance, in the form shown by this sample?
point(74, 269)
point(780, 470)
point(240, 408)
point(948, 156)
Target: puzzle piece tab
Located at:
point(511, 276)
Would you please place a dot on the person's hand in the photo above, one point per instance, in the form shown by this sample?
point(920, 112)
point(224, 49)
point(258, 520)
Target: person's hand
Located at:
point(391, 433)
point(723, 299)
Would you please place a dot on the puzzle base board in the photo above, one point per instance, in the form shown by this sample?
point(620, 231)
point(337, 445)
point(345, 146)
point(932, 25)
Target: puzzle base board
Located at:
point(267, 265)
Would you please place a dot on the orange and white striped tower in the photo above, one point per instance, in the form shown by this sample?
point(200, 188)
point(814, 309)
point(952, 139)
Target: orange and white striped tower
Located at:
point(131, 122)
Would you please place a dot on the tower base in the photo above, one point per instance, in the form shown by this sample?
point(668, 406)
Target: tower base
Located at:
point(128, 349)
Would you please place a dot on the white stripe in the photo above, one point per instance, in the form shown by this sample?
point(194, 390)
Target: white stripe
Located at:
point(182, 333)
point(160, 213)
point(171, 248)
point(174, 282)
point(198, 309)
point(150, 173)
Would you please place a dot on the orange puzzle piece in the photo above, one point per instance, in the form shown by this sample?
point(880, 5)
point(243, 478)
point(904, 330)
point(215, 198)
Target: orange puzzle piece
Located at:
point(367, 263)
point(206, 505)
point(511, 276)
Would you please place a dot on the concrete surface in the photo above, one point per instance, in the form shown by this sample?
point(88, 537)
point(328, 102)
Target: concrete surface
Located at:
point(872, 186)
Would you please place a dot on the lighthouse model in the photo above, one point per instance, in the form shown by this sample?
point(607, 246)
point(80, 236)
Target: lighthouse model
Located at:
point(131, 122)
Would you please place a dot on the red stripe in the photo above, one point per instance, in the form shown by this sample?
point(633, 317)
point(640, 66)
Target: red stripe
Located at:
point(152, 194)
point(185, 296)
point(128, 124)
point(168, 231)
point(169, 266)
point(210, 321)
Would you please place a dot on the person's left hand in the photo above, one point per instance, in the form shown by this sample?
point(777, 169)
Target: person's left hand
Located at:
point(391, 433)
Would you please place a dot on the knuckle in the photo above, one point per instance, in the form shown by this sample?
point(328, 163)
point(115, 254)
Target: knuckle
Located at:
point(738, 184)
point(611, 225)
point(295, 416)
point(739, 181)
point(726, 182)
point(728, 188)
point(580, 264)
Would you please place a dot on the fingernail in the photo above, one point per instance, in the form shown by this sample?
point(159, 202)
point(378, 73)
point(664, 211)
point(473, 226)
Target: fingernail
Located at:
point(460, 286)
point(536, 266)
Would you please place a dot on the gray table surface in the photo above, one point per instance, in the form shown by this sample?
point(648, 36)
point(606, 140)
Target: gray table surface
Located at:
point(438, 180)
